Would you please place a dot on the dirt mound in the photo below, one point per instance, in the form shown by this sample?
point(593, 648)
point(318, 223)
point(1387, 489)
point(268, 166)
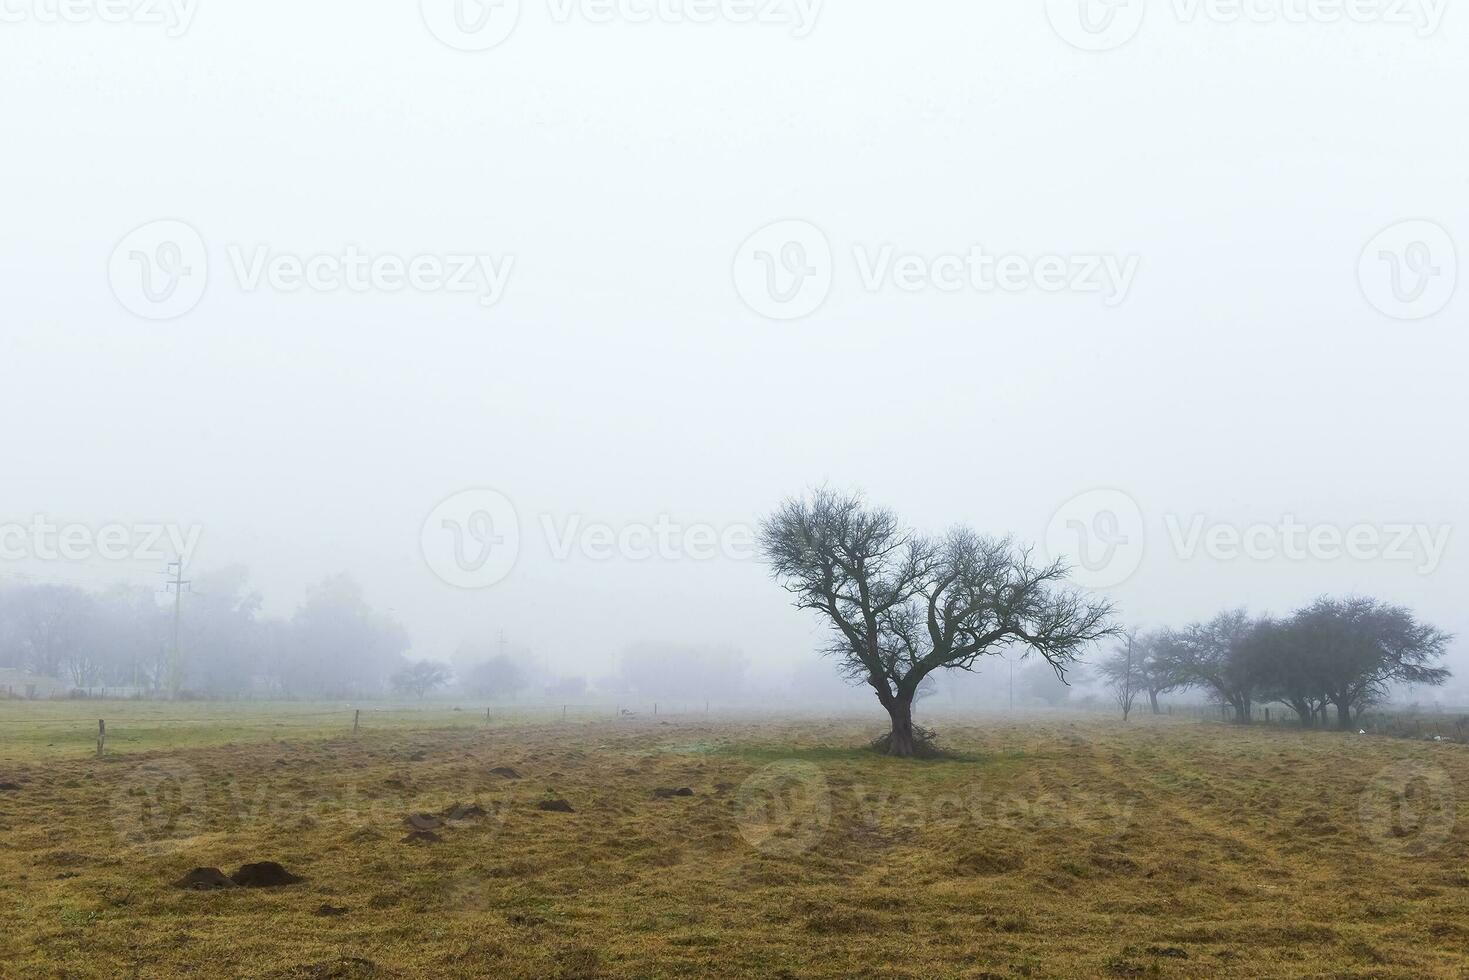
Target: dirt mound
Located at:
point(664, 793)
point(264, 874)
point(421, 837)
point(464, 811)
point(505, 771)
point(9, 787)
point(555, 806)
point(422, 821)
point(204, 880)
point(330, 911)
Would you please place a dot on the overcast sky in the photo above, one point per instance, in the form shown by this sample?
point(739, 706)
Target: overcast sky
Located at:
point(667, 271)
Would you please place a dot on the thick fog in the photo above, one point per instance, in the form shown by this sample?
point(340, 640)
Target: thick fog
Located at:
point(525, 341)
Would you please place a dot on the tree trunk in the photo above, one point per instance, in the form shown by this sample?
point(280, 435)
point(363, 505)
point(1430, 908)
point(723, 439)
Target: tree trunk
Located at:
point(900, 743)
point(1305, 712)
point(1344, 715)
point(1153, 699)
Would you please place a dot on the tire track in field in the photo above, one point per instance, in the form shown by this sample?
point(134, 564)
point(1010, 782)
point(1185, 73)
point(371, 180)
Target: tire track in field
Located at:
point(1196, 815)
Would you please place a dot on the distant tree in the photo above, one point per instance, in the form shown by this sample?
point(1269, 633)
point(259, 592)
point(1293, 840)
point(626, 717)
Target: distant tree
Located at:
point(901, 605)
point(421, 677)
point(1285, 666)
point(1155, 674)
point(336, 645)
point(49, 629)
point(1123, 673)
point(123, 637)
point(1362, 647)
point(500, 677)
point(927, 688)
point(1041, 682)
point(222, 633)
point(567, 687)
point(1213, 655)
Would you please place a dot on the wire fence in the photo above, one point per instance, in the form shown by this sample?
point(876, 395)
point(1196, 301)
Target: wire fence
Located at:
point(62, 727)
point(59, 727)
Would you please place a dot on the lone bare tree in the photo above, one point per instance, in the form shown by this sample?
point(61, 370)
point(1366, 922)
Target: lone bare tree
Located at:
point(1124, 673)
point(901, 605)
point(1155, 674)
point(421, 677)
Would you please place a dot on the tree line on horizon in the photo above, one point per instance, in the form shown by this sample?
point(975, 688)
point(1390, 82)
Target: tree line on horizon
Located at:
point(1345, 654)
point(333, 645)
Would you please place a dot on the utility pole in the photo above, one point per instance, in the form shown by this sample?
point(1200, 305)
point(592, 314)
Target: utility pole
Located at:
point(176, 585)
point(503, 643)
point(1127, 684)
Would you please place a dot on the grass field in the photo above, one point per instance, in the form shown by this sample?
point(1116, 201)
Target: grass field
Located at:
point(1046, 848)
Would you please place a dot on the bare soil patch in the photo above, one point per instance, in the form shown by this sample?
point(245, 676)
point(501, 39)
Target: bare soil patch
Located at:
point(264, 874)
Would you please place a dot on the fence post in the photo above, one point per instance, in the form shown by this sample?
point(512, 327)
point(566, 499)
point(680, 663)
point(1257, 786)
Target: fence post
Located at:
point(356, 718)
point(101, 737)
point(487, 716)
point(563, 712)
point(655, 709)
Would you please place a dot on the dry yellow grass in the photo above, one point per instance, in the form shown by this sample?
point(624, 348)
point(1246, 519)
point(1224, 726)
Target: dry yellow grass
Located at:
point(1048, 848)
